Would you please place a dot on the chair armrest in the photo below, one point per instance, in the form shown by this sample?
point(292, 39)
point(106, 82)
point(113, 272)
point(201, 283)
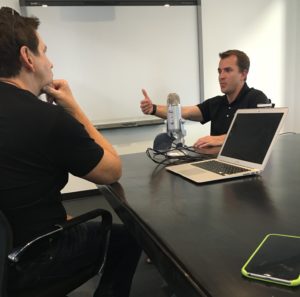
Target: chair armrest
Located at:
point(105, 214)
point(17, 253)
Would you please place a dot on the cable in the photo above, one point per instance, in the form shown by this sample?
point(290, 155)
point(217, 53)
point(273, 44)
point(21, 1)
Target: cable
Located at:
point(176, 155)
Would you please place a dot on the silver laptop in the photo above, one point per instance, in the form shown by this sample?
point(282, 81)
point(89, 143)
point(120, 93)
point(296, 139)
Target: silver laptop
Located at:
point(245, 150)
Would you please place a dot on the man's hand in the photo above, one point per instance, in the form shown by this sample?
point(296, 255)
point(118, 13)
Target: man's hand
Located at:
point(208, 141)
point(146, 104)
point(60, 92)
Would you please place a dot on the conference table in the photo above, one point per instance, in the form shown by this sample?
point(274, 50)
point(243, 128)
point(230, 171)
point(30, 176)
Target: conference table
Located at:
point(200, 235)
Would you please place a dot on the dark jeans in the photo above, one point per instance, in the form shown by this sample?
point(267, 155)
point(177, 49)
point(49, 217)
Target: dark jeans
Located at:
point(79, 248)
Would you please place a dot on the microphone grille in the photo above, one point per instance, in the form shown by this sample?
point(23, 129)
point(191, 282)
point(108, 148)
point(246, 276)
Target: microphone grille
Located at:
point(173, 99)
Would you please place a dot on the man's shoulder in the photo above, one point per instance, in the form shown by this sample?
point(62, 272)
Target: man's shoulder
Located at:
point(255, 92)
point(44, 107)
point(214, 100)
point(49, 116)
point(252, 97)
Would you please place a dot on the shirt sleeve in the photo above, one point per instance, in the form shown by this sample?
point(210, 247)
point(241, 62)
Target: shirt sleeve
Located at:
point(209, 107)
point(76, 151)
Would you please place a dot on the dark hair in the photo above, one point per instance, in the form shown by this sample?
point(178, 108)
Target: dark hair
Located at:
point(15, 32)
point(243, 60)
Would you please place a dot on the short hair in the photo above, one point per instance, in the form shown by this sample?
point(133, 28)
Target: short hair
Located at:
point(15, 32)
point(243, 60)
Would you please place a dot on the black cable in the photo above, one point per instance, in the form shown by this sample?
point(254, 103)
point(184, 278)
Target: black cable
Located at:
point(181, 155)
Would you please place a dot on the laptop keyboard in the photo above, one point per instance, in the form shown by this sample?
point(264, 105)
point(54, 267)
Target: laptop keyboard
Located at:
point(220, 167)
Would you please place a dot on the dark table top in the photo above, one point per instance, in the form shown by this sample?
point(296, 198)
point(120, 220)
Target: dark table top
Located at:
point(207, 232)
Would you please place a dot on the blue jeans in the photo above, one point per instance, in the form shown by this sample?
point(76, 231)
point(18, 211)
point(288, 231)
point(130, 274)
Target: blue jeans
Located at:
point(79, 248)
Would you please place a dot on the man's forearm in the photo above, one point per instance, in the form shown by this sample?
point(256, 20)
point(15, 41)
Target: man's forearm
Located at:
point(93, 132)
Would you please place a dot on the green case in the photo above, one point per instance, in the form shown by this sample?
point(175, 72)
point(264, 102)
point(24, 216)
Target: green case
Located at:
point(276, 260)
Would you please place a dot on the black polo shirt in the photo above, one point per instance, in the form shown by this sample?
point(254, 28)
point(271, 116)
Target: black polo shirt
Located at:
point(220, 112)
point(39, 144)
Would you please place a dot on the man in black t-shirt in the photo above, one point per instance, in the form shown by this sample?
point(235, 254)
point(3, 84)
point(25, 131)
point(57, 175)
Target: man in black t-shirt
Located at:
point(40, 143)
point(233, 70)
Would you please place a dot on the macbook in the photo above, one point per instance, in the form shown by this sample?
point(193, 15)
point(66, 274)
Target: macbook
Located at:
point(245, 150)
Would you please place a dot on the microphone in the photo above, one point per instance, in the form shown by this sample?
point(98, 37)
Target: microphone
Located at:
point(175, 128)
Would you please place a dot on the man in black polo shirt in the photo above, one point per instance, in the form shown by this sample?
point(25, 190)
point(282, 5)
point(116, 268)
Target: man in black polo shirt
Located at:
point(233, 70)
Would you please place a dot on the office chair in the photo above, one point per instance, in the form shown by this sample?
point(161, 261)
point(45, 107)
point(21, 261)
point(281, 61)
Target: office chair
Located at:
point(9, 256)
point(268, 104)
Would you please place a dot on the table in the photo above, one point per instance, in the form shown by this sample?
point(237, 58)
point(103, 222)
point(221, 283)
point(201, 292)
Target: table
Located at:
point(199, 236)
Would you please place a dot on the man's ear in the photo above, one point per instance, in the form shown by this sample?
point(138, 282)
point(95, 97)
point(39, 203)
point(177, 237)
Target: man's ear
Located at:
point(245, 73)
point(26, 58)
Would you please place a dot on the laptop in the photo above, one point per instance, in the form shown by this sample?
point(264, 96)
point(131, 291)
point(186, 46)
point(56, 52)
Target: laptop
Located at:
point(245, 151)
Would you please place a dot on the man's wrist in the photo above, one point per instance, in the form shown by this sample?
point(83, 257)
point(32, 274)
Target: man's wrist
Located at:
point(154, 108)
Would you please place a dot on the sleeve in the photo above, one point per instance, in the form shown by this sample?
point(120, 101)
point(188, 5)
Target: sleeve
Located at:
point(208, 107)
point(205, 112)
point(76, 151)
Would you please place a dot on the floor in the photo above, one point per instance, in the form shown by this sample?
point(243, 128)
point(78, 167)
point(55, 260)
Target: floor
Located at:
point(147, 281)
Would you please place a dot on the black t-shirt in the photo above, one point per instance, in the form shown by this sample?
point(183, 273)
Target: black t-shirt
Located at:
point(39, 144)
point(220, 112)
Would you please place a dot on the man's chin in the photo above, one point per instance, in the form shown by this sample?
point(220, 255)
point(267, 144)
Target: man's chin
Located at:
point(42, 89)
point(47, 83)
point(223, 90)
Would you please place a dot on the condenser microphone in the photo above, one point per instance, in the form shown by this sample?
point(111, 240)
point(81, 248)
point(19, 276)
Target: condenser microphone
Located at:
point(175, 128)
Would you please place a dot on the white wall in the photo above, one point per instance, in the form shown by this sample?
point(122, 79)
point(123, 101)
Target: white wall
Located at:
point(292, 63)
point(267, 31)
point(295, 72)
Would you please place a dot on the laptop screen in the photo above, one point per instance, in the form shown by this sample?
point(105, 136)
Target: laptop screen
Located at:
point(250, 131)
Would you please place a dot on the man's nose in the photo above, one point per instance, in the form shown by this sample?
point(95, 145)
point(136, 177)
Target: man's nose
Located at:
point(221, 74)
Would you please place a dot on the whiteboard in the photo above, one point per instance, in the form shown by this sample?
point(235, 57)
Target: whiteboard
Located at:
point(109, 53)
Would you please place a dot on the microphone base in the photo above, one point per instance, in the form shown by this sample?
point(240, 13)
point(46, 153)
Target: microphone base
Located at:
point(163, 142)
